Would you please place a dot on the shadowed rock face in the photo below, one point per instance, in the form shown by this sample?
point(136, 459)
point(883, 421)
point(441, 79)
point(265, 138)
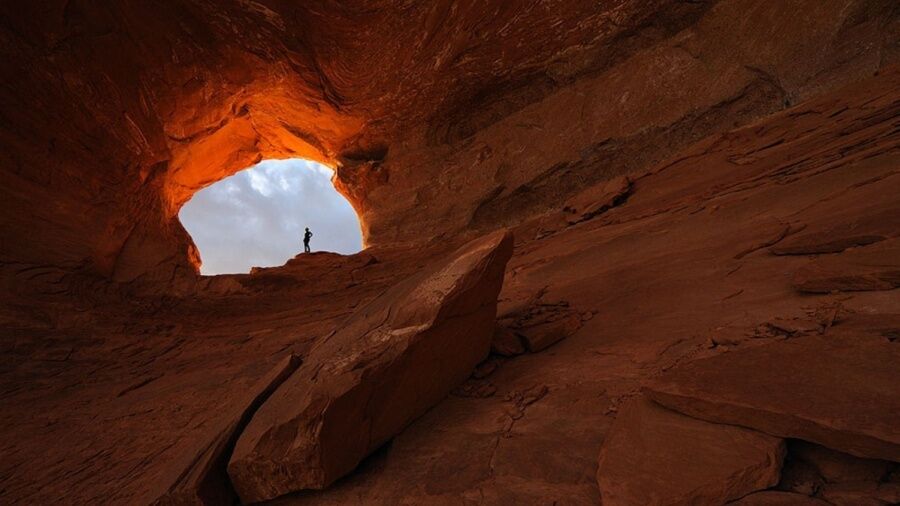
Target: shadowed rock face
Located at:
point(394, 359)
point(686, 181)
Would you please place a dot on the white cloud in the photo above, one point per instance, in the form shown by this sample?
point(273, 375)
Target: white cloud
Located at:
point(257, 216)
point(259, 181)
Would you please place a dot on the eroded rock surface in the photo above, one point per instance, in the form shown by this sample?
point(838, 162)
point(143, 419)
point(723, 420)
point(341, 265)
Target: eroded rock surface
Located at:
point(777, 498)
point(753, 135)
point(654, 456)
point(597, 199)
point(199, 476)
point(843, 399)
point(394, 359)
point(875, 267)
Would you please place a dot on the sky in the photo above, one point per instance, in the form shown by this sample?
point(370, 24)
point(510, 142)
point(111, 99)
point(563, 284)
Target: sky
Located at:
point(256, 217)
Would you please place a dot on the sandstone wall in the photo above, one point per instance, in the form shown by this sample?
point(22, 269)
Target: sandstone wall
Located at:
point(439, 117)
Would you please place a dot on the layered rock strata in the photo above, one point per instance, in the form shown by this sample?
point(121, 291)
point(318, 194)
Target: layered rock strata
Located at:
point(837, 392)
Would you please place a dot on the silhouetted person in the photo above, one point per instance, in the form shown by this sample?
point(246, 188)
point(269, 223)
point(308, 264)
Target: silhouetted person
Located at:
point(306, 237)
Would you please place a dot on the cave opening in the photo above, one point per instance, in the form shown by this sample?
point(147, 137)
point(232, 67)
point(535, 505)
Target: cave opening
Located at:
point(257, 217)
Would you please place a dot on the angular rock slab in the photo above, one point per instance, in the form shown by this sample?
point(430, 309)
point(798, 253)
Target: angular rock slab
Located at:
point(875, 267)
point(392, 360)
point(841, 393)
point(198, 476)
point(654, 456)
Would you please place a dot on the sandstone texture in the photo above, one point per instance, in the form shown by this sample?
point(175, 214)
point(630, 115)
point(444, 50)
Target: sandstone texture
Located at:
point(200, 477)
point(875, 267)
point(703, 196)
point(862, 494)
point(655, 456)
point(393, 359)
point(776, 498)
point(797, 397)
point(837, 467)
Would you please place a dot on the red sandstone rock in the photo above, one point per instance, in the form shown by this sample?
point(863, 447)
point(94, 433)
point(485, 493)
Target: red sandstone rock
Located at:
point(868, 227)
point(507, 342)
point(199, 476)
point(654, 456)
point(776, 498)
point(390, 362)
point(538, 324)
point(178, 97)
point(875, 267)
point(441, 117)
point(862, 494)
point(597, 199)
point(840, 393)
point(837, 467)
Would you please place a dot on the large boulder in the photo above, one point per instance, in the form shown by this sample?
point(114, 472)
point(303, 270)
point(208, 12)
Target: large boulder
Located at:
point(654, 456)
point(838, 392)
point(391, 361)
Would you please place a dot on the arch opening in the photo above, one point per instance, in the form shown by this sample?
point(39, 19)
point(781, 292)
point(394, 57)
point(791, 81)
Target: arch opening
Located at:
point(257, 216)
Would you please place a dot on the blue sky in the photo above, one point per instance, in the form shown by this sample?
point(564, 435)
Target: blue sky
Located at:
point(256, 217)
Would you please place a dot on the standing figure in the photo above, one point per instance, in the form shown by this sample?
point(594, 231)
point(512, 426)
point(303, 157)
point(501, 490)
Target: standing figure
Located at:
point(306, 237)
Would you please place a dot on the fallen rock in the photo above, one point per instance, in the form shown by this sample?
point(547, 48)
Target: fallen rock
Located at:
point(777, 498)
point(476, 389)
point(541, 336)
point(198, 475)
point(597, 199)
point(654, 456)
point(507, 343)
point(391, 361)
point(875, 267)
point(540, 325)
point(862, 230)
point(837, 392)
point(487, 368)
